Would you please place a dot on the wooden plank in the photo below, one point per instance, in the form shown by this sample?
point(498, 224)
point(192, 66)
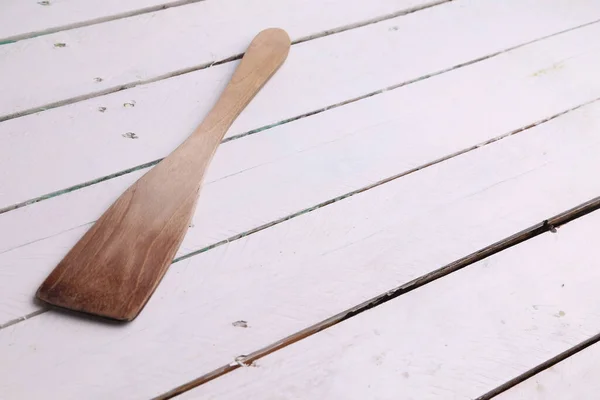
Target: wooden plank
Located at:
point(575, 378)
point(162, 114)
point(457, 337)
point(297, 165)
point(308, 268)
point(24, 19)
point(75, 64)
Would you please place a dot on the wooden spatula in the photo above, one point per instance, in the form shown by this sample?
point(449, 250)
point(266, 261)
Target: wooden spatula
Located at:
point(115, 267)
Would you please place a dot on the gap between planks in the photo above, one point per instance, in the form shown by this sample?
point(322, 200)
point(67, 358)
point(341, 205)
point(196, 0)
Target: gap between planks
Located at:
point(541, 367)
point(287, 120)
point(95, 21)
point(547, 225)
point(216, 63)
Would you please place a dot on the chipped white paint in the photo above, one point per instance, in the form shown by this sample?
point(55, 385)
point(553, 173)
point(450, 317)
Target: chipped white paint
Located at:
point(576, 378)
point(455, 338)
point(297, 273)
point(35, 72)
point(26, 18)
point(306, 162)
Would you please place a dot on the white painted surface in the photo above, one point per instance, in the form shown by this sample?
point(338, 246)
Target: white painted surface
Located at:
point(24, 18)
point(576, 378)
point(48, 149)
point(304, 270)
point(298, 165)
point(297, 273)
point(35, 72)
point(455, 338)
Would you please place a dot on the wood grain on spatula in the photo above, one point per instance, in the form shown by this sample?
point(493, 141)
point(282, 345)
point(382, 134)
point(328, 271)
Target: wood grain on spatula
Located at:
point(114, 268)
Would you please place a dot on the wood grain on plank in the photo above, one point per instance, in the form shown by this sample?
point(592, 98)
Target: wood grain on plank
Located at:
point(300, 272)
point(575, 378)
point(298, 165)
point(115, 267)
point(22, 19)
point(97, 133)
point(95, 59)
point(457, 337)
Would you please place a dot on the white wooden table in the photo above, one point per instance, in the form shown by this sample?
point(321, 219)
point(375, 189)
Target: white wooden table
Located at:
point(405, 211)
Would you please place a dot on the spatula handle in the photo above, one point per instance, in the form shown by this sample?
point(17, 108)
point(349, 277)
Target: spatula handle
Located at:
point(264, 56)
point(267, 51)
